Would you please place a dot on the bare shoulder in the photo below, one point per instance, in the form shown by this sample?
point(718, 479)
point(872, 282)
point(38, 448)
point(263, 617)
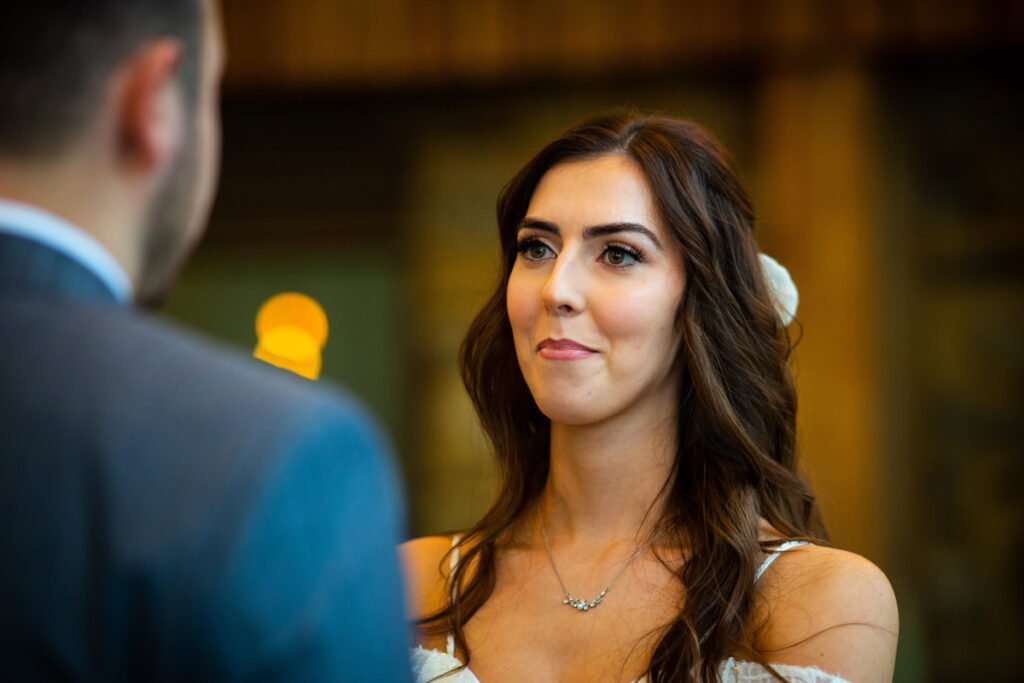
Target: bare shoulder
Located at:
point(831, 609)
point(425, 573)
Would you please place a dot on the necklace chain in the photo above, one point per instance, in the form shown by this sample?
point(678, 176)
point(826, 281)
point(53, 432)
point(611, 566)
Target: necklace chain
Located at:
point(581, 604)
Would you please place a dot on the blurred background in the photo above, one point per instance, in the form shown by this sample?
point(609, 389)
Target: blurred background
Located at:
point(365, 144)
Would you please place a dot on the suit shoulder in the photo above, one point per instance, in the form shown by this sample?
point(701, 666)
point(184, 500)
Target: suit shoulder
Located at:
point(216, 373)
point(144, 378)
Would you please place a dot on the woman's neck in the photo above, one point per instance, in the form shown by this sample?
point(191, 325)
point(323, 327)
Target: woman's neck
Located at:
point(605, 479)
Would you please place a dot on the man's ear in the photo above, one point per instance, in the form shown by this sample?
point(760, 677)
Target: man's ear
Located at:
point(151, 110)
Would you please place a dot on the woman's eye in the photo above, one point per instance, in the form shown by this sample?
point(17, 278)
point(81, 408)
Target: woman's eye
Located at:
point(534, 250)
point(620, 256)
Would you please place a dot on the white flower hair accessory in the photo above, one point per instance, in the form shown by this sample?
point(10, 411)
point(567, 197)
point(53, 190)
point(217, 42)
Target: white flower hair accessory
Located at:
point(782, 288)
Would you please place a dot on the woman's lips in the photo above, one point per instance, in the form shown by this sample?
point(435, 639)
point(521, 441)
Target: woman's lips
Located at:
point(564, 349)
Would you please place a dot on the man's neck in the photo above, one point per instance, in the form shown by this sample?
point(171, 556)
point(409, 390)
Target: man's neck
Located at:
point(72, 197)
point(37, 225)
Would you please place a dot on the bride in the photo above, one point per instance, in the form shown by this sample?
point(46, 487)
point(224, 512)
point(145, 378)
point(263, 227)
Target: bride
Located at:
point(631, 374)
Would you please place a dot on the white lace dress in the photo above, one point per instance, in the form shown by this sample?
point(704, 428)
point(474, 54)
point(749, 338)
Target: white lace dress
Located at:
point(428, 664)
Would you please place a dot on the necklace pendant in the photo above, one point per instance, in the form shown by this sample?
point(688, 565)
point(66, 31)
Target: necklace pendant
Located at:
point(581, 604)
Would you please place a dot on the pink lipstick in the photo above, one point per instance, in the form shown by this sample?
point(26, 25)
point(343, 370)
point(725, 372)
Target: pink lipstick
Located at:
point(564, 349)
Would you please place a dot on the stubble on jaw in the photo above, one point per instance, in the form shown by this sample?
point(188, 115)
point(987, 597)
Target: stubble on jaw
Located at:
point(169, 234)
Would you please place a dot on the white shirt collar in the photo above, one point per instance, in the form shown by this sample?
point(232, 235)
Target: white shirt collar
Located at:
point(33, 223)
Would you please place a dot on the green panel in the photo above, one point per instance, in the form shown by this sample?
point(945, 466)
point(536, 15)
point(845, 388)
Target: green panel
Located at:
point(223, 287)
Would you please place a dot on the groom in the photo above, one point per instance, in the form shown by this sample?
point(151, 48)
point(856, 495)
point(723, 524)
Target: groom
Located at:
point(168, 511)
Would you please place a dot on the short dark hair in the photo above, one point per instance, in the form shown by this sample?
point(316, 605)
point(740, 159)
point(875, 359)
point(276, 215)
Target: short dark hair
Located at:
point(56, 57)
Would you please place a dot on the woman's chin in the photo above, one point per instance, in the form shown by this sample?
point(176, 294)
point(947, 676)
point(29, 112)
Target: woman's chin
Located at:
point(570, 413)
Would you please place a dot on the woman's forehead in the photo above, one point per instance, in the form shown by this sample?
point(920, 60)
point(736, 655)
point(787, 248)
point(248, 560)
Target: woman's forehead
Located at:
point(595, 191)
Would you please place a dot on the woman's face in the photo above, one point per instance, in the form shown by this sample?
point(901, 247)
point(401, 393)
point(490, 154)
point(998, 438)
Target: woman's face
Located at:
point(593, 295)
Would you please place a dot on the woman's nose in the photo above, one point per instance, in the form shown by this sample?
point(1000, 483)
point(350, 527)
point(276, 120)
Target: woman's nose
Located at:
point(563, 290)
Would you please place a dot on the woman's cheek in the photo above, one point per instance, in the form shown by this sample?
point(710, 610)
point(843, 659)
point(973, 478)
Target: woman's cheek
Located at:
point(626, 314)
point(519, 304)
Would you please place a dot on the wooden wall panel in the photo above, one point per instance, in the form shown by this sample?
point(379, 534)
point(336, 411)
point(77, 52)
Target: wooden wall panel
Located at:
point(312, 43)
point(818, 152)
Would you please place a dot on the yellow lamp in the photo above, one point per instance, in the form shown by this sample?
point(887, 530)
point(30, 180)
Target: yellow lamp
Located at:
point(291, 330)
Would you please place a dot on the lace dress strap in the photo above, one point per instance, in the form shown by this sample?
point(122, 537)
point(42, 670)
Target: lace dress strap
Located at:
point(778, 551)
point(453, 562)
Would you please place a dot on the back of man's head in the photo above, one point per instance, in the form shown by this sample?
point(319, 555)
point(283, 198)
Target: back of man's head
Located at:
point(57, 56)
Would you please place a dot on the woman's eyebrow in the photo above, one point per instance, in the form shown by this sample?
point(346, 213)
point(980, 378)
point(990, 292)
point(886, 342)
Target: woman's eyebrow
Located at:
point(593, 230)
point(613, 228)
point(537, 224)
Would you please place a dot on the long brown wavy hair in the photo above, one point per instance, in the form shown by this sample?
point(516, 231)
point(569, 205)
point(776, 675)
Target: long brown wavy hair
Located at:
point(736, 450)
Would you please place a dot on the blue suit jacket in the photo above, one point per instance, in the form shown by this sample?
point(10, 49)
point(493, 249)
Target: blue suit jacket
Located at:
point(171, 512)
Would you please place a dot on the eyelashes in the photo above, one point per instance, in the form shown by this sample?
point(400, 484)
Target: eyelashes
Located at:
point(531, 248)
point(621, 256)
point(614, 254)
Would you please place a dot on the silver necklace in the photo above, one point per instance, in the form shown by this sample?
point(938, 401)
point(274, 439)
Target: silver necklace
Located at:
point(582, 604)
